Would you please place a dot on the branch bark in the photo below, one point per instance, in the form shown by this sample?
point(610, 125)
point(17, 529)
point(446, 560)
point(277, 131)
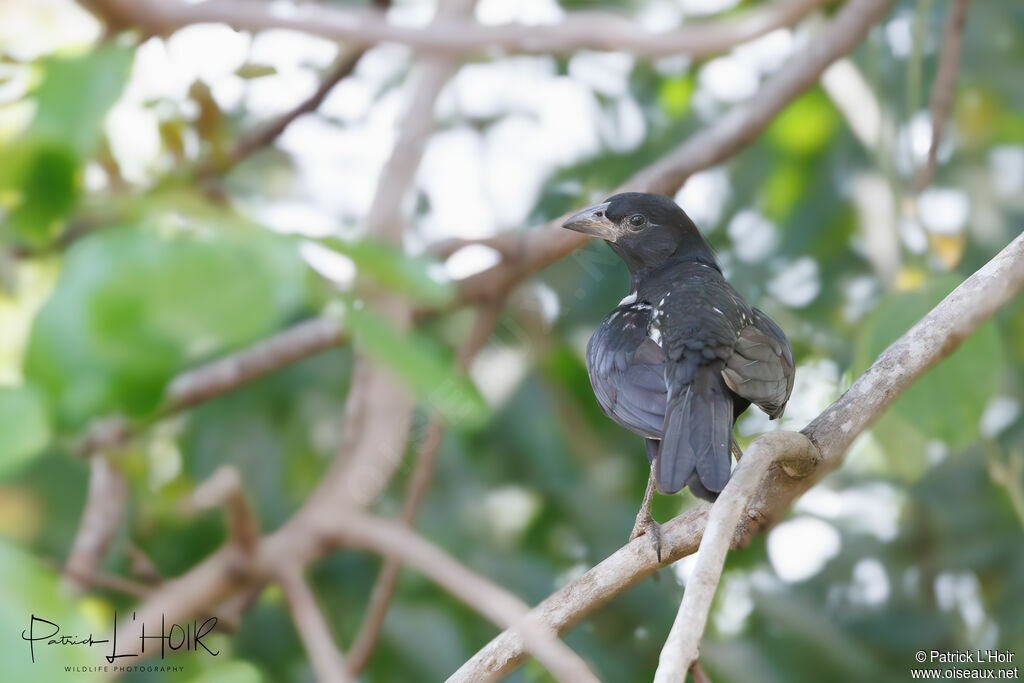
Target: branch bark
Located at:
point(459, 35)
point(224, 488)
point(395, 539)
point(105, 500)
point(328, 662)
point(264, 136)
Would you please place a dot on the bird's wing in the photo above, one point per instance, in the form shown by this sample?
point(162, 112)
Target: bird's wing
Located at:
point(761, 367)
point(627, 370)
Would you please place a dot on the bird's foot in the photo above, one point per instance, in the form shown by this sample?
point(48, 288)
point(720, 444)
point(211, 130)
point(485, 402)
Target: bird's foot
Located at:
point(646, 526)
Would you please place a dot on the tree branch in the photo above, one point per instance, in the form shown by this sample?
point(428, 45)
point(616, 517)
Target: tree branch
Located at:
point(104, 505)
point(264, 136)
point(568, 606)
point(395, 539)
point(223, 375)
point(328, 663)
point(384, 587)
point(459, 35)
point(263, 357)
point(224, 488)
point(944, 88)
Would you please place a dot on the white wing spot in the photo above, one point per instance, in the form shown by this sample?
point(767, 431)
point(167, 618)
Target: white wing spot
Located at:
point(629, 299)
point(655, 335)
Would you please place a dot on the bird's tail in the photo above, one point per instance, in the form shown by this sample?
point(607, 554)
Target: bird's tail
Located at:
point(698, 430)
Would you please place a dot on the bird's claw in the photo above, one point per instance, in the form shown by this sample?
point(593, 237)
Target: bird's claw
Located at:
point(652, 530)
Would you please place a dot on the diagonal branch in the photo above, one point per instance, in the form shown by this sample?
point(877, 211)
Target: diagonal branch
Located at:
point(224, 488)
point(460, 35)
point(263, 136)
point(328, 663)
point(395, 539)
point(574, 602)
point(105, 500)
point(223, 375)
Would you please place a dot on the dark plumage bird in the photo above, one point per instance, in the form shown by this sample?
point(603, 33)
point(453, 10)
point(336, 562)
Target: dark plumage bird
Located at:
point(683, 355)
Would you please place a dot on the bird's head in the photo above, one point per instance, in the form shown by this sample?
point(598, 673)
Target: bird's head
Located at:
point(644, 229)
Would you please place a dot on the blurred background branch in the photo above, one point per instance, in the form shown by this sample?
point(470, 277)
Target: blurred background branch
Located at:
point(458, 36)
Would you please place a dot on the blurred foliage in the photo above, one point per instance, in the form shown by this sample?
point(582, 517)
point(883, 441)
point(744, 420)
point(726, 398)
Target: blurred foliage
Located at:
point(115, 277)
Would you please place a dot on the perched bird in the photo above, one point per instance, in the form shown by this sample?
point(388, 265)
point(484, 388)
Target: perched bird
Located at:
point(682, 356)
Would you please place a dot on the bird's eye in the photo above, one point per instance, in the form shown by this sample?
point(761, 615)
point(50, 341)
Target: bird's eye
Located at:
point(637, 220)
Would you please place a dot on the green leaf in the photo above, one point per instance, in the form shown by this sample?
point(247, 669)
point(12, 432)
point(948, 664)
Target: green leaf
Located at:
point(24, 427)
point(75, 94)
point(34, 590)
point(674, 95)
point(388, 267)
point(420, 363)
point(133, 306)
point(44, 166)
point(806, 125)
point(49, 183)
point(948, 400)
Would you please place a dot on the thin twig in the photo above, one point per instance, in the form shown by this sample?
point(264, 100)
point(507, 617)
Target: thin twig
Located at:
point(263, 357)
point(328, 662)
point(224, 489)
point(384, 587)
point(141, 564)
point(944, 88)
point(106, 581)
point(461, 36)
point(104, 507)
point(265, 135)
point(1010, 476)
